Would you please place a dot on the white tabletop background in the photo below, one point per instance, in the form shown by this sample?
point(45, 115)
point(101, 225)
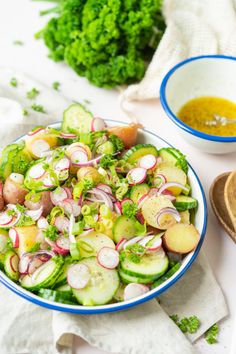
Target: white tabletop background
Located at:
point(19, 20)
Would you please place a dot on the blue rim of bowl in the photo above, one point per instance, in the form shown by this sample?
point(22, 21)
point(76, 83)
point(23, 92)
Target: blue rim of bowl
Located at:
point(176, 120)
point(79, 309)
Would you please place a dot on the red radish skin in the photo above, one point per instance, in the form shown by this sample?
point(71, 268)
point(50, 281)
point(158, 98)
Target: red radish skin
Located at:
point(136, 176)
point(108, 258)
point(78, 276)
point(63, 242)
point(62, 223)
point(39, 130)
point(14, 263)
point(97, 124)
point(120, 245)
point(142, 200)
point(58, 195)
point(118, 208)
point(14, 236)
point(140, 217)
point(5, 219)
point(105, 188)
point(68, 135)
point(2, 203)
point(148, 162)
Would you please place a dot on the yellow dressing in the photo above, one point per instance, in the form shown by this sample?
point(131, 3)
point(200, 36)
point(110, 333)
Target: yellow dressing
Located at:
point(199, 110)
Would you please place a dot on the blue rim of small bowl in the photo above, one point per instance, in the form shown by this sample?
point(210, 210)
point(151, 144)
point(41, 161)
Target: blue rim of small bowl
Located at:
point(117, 306)
point(176, 120)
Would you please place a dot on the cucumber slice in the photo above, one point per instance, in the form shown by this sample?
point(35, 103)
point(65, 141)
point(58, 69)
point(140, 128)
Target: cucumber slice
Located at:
point(151, 266)
point(138, 191)
point(127, 279)
point(65, 288)
point(166, 276)
point(57, 296)
point(183, 203)
point(21, 161)
point(62, 279)
point(123, 228)
point(185, 216)
point(6, 162)
point(102, 285)
point(11, 265)
point(2, 257)
point(76, 119)
point(91, 244)
point(45, 276)
point(151, 206)
point(172, 174)
point(174, 157)
point(137, 151)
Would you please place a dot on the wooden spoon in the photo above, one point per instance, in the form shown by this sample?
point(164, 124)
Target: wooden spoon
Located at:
point(230, 197)
point(217, 199)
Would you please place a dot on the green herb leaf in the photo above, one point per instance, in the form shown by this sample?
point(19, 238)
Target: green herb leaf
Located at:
point(129, 209)
point(25, 112)
point(32, 94)
point(14, 82)
point(18, 42)
point(38, 108)
point(187, 324)
point(212, 334)
point(51, 233)
point(56, 85)
point(35, 248)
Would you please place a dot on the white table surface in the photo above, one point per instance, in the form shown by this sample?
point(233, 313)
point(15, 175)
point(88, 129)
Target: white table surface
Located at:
point(19, 20)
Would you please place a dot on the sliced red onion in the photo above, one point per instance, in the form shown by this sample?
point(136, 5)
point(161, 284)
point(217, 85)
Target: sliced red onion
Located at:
point(90, 162)
point(37, 171)
point(58, 195)
point(34, 263)
point(159, 180)
point(120, 244)
point(172, 184)
point(170, 211)
point(105, 188)
point(42, 255)
point(39, 146)
point(24, 263)
point(34, 214)
point(76, 208)
point(62, 223)
point(68, 192)
point(68, 135)
point(168, 194)
point(118, 208)
point(97, 124)
point(103, 196)
point(42, 223)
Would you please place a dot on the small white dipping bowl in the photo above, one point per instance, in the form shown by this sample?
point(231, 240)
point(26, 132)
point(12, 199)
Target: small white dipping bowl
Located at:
point(210, 75)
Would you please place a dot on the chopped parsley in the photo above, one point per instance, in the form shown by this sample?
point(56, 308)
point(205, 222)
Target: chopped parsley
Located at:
point(107, 161)
point(117, 142)
point(129, 209)
point(212, 334)
point(25, 112)
point(38, 108)
point(32, 94)
point(11, 212)
point(35, 248)
point(56, 85)
point(14, 82)
point(187, 324)
point(51, 233)
point(25, 220)
point(133, 253)
point(18, 42)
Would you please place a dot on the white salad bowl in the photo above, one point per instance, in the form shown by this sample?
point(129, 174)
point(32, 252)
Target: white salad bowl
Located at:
point(144, 136)
point(210, 75)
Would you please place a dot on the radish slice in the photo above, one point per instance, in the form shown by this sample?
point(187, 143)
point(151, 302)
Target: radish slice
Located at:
point(79, 157)
point(117, 207)
point(145, 240)
point(105, 188)
point(14, 263)
point(148, 162)
point(34, 263)
point(17, 178)
point(63, 242)
point(68, 135)
point(37, 171)
point(140, 217)
point(155, 245)
point(66, 206)
point(36, 131)
point(62, 223)
point(136, 176)
point(120, 244)
point(78, 276)
point(42, 223)
point(168, 211)
point(172, 184)
point(134, 290)
point(14, 236)
point(97, 124)
point(98, 193)
point(108, 258)
point(142, 200)
point(169, 195)
point(63, 164)
point(132, 241)
point(24, 263)
point(39, 147)
point(58, 195)
point(5, 219)
point(34, 214)
point(48, 182)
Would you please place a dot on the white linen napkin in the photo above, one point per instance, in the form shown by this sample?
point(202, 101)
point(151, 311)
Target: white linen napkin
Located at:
point(27, 328)
point(195, 27)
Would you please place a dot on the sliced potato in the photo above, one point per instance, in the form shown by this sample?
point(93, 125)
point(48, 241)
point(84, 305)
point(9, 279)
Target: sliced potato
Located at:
point(181, 238)
point(14, 193)
point(51, 139)
point(172, 174)
point(27, 238)
point(185, 216)
point(127, 133)
point(90, 244)
point(152, 206)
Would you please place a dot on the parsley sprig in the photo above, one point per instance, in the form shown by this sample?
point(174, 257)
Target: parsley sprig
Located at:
point(187, 324)
point(212, 334)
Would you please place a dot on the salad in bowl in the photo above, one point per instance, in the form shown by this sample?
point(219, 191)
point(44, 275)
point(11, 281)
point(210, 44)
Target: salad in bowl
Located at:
point(91, 218)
